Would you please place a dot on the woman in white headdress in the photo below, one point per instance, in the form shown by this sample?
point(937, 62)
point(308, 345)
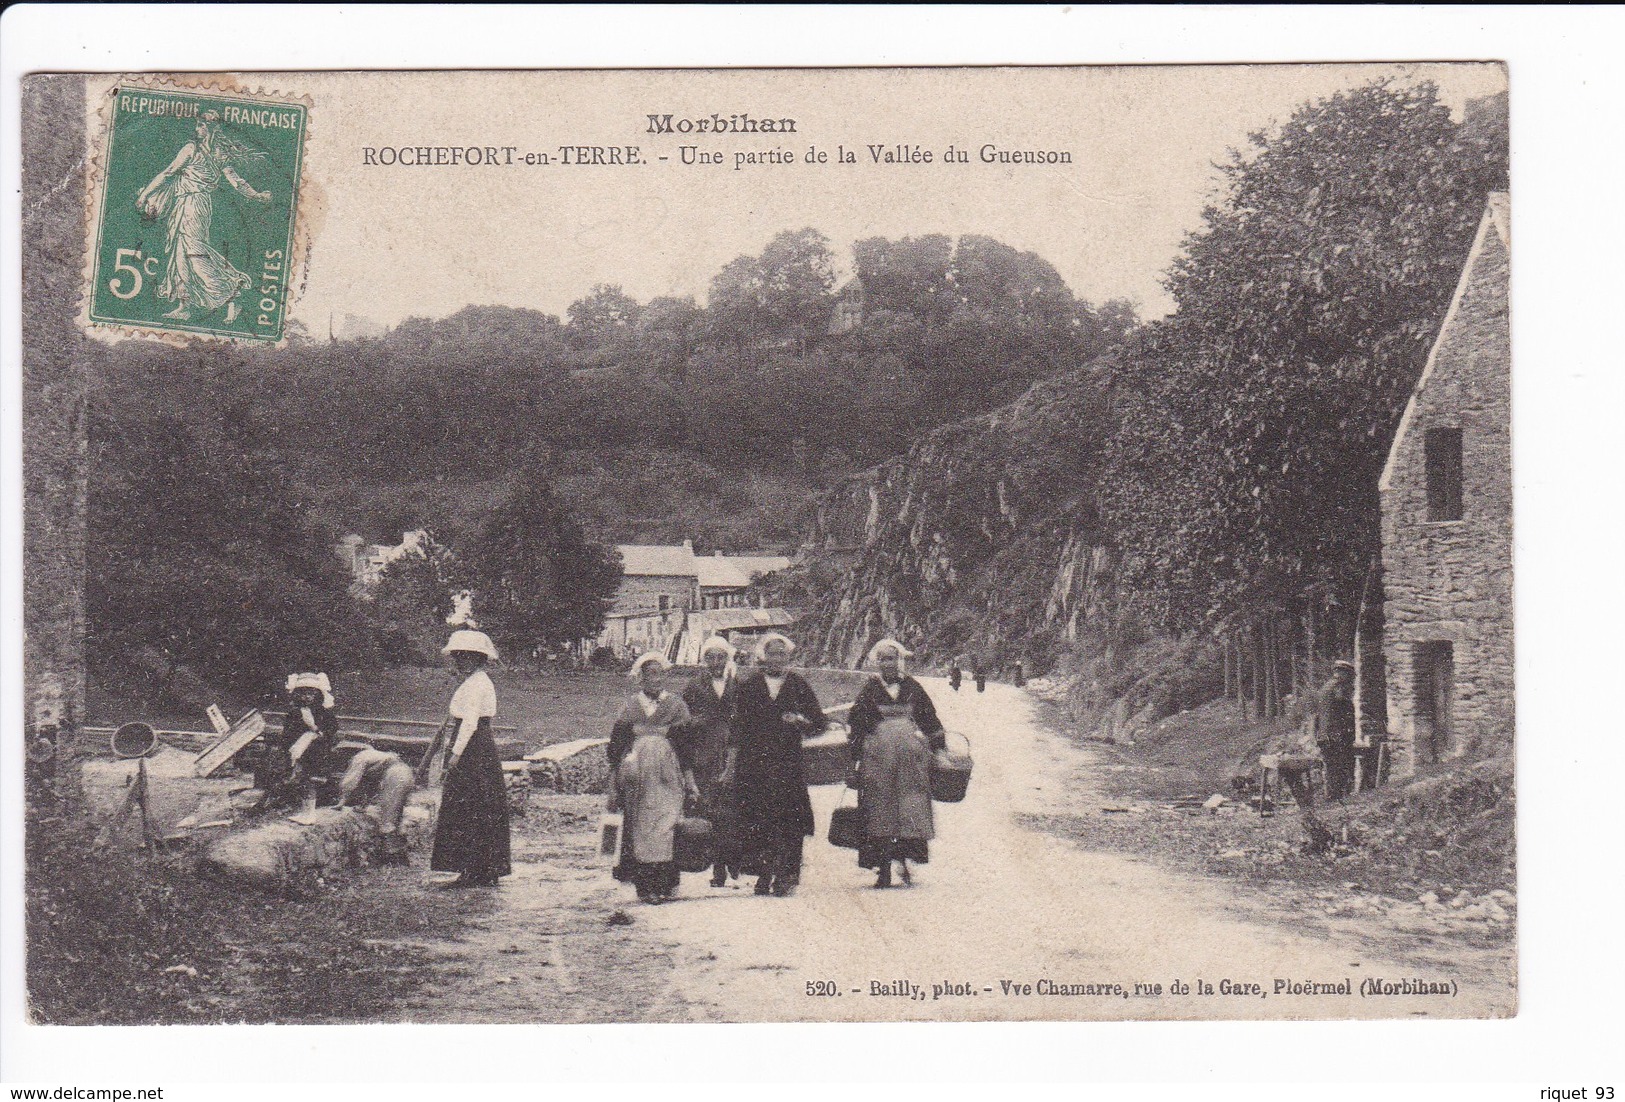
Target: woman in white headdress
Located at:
point(894, 729)
point(710, 699)
point(773, 711)
point(298, 763)
point(649, 783)
point(471, 832)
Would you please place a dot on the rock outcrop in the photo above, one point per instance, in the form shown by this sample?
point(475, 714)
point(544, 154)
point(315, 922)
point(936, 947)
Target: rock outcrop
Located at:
point(981, 540)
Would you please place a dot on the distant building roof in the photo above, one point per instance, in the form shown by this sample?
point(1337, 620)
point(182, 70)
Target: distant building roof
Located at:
point(719, 572)
point(731, 619)
point(754, 566)
point(658, 559)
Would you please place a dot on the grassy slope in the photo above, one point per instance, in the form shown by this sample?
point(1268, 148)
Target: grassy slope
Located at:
point(1448, 829)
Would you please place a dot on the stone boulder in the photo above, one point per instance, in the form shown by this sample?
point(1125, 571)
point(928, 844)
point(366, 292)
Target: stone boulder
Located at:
point(276, 854)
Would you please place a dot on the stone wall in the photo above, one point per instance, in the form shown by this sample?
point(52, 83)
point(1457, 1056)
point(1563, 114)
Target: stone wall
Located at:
point(55, 356)
point(642, 593)
point(1450, 581)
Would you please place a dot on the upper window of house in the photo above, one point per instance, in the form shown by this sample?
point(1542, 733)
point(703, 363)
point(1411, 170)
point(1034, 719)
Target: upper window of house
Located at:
point(1442, 454)
point(665, 602)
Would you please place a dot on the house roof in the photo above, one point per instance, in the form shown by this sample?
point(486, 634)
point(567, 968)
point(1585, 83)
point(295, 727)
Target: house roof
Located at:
point(753, 566)
point(719, 572)
point(658, 560)
point(730, 619)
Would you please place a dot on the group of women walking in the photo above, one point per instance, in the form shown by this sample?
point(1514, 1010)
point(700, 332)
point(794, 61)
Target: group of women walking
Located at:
point(730, 748)
point(727, 748)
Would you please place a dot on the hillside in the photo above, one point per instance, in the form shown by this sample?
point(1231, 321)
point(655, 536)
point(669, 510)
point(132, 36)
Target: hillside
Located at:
point(981, 539)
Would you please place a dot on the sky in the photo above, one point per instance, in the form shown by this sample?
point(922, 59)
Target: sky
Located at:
point(391, 241)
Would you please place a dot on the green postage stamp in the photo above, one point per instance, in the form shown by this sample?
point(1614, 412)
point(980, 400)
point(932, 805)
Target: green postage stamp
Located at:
point(195, 221)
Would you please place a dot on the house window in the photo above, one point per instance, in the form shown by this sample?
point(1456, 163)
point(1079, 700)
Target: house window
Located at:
point(665, 603)
point(1442, 455)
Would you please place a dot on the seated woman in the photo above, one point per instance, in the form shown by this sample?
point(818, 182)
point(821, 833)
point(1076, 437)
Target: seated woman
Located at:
point(648, 782)
point(296, 764)
point(894, 729)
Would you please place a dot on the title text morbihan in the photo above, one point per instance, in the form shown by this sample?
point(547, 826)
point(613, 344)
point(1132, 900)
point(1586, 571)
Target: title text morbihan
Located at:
point(720, 124)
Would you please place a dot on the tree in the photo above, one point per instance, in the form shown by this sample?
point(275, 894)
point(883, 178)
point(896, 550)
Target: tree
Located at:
point(1255, 420)
point(605, 316)
point(412, 600)
point(537, 579)
point(200, 563)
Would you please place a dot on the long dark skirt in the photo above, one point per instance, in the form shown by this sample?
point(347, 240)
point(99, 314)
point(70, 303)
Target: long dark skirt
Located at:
point(772, 817)
point(471, 836)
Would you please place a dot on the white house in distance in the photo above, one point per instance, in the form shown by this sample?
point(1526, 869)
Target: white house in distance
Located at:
point(671, 600)
point(368, 561)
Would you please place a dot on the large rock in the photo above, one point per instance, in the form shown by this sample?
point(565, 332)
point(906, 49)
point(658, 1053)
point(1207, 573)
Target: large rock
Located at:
point(277, 854)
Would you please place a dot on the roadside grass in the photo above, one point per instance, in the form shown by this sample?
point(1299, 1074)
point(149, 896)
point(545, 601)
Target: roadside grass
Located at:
point(1448, 830)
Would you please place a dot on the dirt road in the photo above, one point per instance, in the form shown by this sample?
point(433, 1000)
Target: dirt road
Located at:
point(1006, 922)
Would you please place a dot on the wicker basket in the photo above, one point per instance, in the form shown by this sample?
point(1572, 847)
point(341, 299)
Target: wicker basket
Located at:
point(950, 773)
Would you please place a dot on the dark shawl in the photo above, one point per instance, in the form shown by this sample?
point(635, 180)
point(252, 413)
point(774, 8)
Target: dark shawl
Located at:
point(865, 714)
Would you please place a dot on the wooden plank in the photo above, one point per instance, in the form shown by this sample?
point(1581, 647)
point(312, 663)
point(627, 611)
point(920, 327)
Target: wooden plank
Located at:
point(243, 732)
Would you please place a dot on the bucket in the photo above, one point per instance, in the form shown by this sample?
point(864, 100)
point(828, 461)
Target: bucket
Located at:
point(950, 773)
point(846, 829)
point(609, 837)
point(691, 847)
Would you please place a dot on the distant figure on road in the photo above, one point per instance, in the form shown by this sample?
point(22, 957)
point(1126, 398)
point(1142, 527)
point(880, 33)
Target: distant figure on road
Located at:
point(980, 675)
point(894, 729)
point(710, 700)
point(955, 675)
point(773, 711)
point(471, 835)
point(1018, 676)
point(1335, 730)
point(650, 783)
point(380, 777)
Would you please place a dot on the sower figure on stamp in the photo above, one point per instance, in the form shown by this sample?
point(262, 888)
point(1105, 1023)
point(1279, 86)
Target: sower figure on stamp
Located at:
point(1335, 730)
point(894, 730)
point(197, 278)
point(710, 700)
point(773, 711)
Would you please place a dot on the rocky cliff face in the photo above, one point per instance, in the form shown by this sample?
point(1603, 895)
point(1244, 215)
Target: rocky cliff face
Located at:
point(982, 540)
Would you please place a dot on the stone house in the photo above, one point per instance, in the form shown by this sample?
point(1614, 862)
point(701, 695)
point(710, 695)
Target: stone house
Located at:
point(662, 583)
point(1446, 497)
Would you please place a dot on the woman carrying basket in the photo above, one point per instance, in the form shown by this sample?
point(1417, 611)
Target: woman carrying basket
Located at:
point(894, 729)
point(649, 782)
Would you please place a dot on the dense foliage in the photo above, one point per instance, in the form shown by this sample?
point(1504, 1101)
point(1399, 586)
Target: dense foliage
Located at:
point(200, 561)
point(1255, 420)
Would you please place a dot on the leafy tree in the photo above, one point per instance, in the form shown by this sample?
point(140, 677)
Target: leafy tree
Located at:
point(1256, 419)
point(537, 579)
point(199, 561)
point(605, 316)
point(412, 600)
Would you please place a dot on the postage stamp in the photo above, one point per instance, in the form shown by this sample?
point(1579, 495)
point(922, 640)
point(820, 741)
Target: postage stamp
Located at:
point(199, 197)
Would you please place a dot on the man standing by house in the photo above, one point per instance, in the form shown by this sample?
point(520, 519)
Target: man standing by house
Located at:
point(1335, 730)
